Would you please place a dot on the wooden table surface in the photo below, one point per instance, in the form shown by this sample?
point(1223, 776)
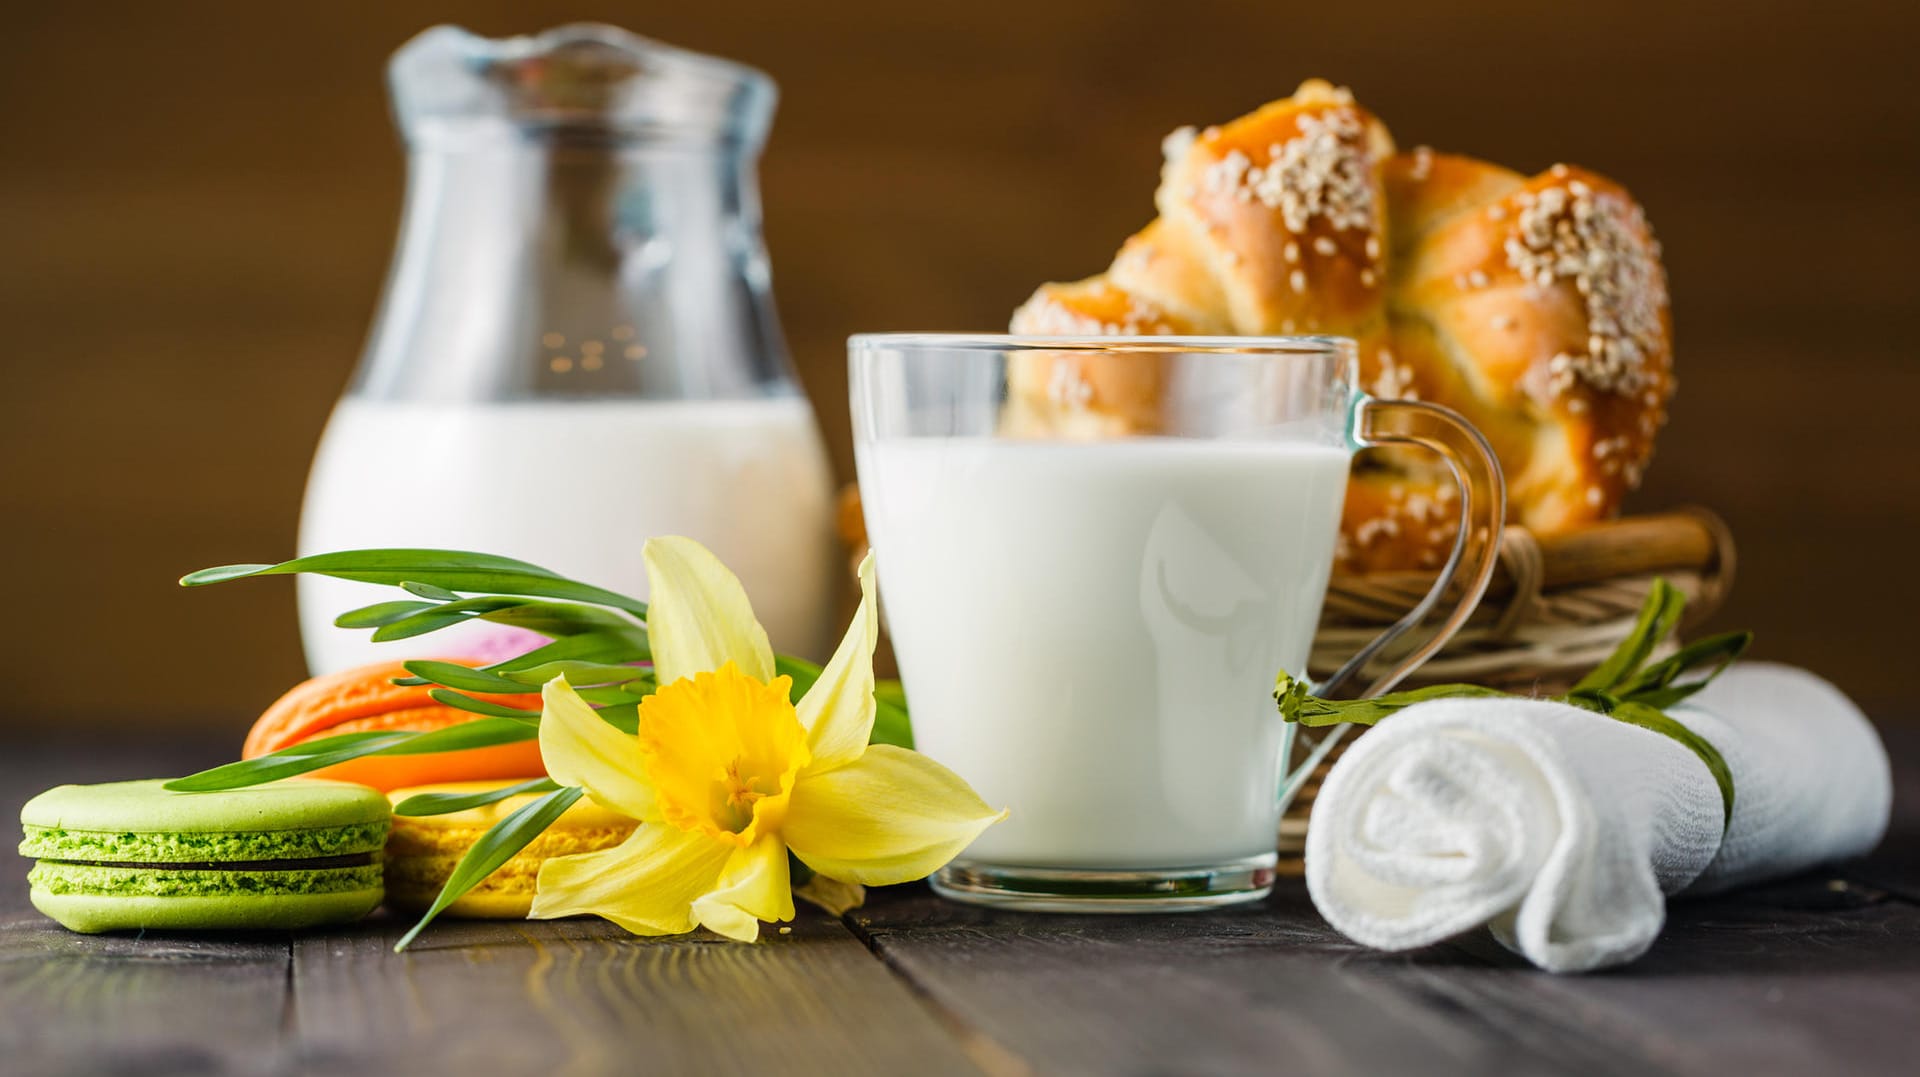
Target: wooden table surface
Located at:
point(1814, 975)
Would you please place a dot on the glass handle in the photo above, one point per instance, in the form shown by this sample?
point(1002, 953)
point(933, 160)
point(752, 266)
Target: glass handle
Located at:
point(1476, 547)
point(1476, 550)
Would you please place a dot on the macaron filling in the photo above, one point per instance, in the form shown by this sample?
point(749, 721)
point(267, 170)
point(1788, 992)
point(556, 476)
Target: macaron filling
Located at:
point(183, 847)
point(62, 877)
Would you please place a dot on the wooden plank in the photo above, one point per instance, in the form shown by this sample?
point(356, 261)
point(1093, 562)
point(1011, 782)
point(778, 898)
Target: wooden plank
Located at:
point(1797, 978)
point(1810, 975)
point(1261, 989)
point(583, 997)
point(162, 1003)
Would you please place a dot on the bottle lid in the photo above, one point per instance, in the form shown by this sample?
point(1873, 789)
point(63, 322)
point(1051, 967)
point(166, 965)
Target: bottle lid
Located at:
point(582, 78)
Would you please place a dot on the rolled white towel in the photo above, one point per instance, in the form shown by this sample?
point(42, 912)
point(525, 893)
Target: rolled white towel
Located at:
point(1565, 830)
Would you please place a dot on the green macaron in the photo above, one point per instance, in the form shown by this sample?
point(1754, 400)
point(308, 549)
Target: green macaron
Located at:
point(128, 855)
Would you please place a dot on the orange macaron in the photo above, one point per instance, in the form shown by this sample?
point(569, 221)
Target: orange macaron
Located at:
point(365, 700)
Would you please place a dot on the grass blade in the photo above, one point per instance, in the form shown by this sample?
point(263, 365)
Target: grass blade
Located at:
point(606, 695)
point(554, 619)
point(494, 848)
point(287, 762)
point(1657, 680)
point(1297, 704)
point(326, 751)
point(1647, 718)
point(891, 724)
point(465, 678)
point(609, 646)
point(803, 672)
point(451, 570)
point(1659, 616)
point(580, 674)
point(378, 614)
point(427, 590)
point(420, 624)
point(442, 803)
point(465, 702)
point(434, 618)
point(625, 717)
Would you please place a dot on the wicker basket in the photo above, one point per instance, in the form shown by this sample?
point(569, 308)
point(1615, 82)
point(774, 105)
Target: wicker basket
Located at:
point(1556, 607)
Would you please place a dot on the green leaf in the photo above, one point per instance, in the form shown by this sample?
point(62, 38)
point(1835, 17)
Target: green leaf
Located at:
point(1298, 705)
point(1646, 717)
point(465, 702)
point(427, 590)
point(555, 619)
point(442, 803)
point(222, 573)
point(610, 646)
point(803, 672)
point(625, 717)
point(419, 625)
point(581, 674)
point(1657, 682)
point(380, 613)
point(891, 724)
point(1659, 616)
point(453, 570)
point(550, 619)
point(479, 733)
point(299, 759)
point(608, 695)
point(465, 678)
point(325, 751)
point(891, 693)
point(435, 618)
point(1592, 699)
point(494, 848)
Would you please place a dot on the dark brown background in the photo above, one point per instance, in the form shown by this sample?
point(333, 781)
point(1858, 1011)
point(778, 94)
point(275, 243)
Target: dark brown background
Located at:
point(197, 202)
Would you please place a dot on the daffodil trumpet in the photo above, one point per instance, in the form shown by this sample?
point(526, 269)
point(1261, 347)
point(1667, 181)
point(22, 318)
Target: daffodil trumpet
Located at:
point(728, 775)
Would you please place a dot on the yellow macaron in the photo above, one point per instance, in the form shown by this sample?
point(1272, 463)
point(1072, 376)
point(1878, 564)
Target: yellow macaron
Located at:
point(423, 849)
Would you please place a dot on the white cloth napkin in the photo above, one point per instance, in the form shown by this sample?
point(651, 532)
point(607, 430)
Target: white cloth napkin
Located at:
point(1565, 830)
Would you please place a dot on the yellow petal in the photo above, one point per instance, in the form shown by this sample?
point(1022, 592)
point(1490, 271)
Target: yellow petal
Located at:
point(698, 617)
point(579, 748)
point(838, 710)
point(646, 884)
point(752, 887)
point(890, 816)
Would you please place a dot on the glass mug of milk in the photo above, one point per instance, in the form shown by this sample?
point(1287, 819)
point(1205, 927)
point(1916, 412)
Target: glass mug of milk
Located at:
point(1094, 556)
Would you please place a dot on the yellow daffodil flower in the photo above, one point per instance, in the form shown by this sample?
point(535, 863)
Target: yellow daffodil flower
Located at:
point(726, 774)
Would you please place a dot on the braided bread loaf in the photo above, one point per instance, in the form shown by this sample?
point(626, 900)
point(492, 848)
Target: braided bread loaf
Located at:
point(1535, 307)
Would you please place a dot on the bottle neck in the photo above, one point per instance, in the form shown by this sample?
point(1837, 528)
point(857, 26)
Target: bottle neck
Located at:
point(567, 264)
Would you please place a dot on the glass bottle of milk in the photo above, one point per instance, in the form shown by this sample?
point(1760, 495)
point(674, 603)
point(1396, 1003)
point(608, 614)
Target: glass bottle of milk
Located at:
point(577, 347)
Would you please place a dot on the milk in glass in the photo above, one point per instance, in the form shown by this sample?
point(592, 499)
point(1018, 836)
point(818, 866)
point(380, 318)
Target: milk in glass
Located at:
point(1090, 632)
